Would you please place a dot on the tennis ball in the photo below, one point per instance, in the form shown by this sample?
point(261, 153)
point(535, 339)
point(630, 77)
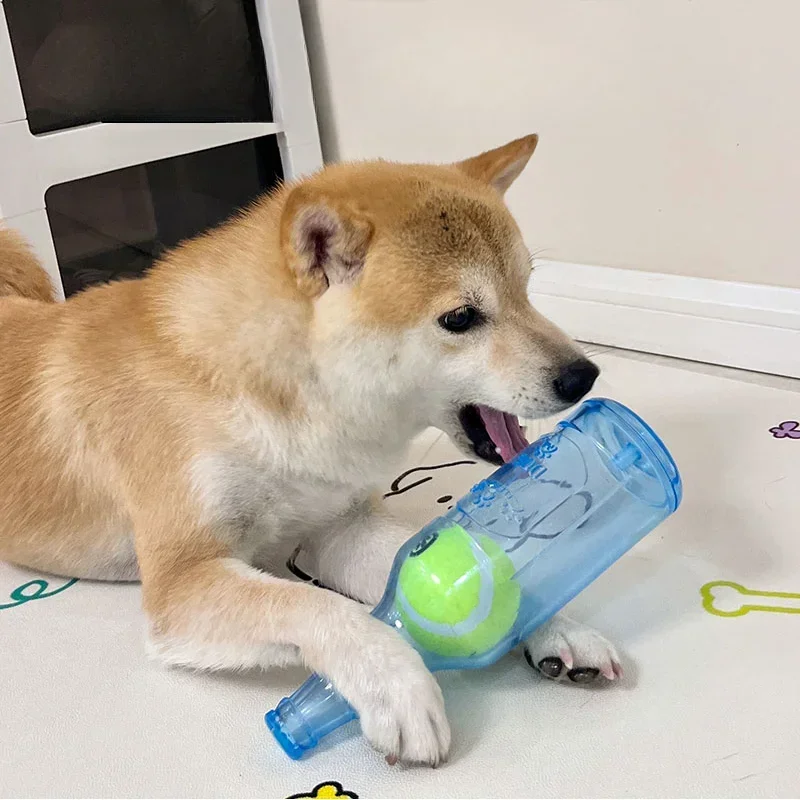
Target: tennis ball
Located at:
point(455, 595)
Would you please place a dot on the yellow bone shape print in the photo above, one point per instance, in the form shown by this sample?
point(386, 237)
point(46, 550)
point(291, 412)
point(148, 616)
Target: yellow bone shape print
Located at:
point(729, 599)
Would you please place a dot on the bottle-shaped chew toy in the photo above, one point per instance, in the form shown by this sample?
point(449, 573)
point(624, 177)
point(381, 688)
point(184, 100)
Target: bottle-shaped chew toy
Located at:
point(476, 582)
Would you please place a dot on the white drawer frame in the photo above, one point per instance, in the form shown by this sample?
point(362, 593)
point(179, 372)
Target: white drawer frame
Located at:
point(30, 164)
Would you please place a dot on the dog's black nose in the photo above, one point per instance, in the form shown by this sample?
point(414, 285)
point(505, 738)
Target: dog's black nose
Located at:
point(575, 380)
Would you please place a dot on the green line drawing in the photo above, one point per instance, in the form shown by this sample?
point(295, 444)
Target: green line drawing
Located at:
point(739, 600)
point(22, 594)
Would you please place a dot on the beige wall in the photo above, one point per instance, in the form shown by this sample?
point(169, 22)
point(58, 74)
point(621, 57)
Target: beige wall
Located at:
point(670, 129)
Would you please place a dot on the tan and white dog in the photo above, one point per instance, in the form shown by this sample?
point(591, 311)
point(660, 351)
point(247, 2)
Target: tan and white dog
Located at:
point(253, 391)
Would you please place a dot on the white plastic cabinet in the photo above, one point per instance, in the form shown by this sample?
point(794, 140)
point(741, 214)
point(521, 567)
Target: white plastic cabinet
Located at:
point(60, 173)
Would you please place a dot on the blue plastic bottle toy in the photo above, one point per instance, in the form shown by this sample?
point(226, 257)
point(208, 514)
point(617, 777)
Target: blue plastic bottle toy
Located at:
point(473, 584)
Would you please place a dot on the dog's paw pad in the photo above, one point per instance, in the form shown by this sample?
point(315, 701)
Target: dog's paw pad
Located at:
point(583, 674)
point(566, 650)
point(552, 667)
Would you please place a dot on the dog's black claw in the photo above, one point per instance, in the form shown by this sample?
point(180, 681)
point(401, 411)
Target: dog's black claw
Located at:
point(583, 674)
point(551, 667)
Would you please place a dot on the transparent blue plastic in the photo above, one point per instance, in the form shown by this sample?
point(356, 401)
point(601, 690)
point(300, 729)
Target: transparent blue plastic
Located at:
point(535, 533)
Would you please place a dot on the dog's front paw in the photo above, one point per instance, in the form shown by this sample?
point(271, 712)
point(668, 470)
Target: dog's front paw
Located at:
point(565, 649)
point(398, 701)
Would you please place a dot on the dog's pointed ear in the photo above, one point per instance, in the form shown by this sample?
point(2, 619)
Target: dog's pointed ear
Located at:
point(501, 167)
point(324, 240)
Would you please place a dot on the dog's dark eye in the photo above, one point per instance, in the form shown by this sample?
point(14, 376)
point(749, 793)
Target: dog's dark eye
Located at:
point(460, 319)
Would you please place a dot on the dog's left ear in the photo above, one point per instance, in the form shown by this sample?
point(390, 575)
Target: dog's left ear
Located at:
point(324, 240)
point(502, 166)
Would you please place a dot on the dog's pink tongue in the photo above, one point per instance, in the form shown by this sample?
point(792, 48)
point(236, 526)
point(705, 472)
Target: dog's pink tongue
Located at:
point(504, 431)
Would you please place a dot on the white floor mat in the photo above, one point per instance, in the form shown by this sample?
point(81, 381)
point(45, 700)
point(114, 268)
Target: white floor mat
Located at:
point(710, 705)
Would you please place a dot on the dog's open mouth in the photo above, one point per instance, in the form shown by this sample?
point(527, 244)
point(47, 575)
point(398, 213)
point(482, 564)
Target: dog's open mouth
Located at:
point(496, 436)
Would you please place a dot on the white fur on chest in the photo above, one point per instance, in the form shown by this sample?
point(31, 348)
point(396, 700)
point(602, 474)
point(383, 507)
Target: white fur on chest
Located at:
point(276, 482)
point(252, 506)
point(280, 477)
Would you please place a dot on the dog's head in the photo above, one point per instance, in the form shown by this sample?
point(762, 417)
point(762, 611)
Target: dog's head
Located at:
point(418, 280)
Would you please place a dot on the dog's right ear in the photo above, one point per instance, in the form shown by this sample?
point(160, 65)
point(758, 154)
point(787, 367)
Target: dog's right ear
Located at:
point(324, 240)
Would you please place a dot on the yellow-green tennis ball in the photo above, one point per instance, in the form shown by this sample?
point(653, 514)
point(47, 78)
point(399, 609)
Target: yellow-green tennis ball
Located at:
point(456, 596)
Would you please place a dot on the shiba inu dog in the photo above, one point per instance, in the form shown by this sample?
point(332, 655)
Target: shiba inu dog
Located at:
point(250, 394)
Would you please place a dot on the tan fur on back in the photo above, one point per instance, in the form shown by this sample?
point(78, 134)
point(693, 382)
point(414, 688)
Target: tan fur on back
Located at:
point(20, 273)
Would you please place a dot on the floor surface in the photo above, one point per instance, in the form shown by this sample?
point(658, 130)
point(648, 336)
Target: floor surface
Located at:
point(709, 707)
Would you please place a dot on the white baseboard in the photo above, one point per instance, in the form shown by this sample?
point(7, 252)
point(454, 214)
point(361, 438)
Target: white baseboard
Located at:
point(743, 325)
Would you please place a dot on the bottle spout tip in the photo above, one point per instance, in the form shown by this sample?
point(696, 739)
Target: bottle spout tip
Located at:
point(299, 722)
point(282, 737)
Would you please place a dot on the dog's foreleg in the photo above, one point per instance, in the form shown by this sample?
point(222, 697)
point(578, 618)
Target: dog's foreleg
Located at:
point(211, 611)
